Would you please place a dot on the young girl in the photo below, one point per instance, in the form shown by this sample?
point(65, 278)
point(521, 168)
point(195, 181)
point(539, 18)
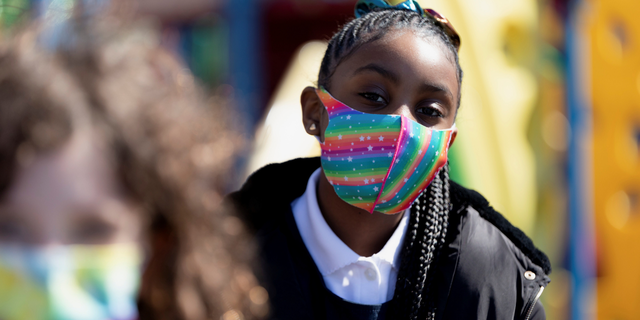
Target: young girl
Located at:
point(110, 174)
point(374, 228)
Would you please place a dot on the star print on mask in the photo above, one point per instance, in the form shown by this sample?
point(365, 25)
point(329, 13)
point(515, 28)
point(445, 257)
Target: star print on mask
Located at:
point(384, 165)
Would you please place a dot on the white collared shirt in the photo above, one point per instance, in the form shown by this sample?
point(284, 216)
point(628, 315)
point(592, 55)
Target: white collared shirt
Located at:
point(362, 280)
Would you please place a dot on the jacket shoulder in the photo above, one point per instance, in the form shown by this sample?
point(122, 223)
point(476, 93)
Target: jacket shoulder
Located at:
point(268, 191)
point(496, 271)
point(472, 201)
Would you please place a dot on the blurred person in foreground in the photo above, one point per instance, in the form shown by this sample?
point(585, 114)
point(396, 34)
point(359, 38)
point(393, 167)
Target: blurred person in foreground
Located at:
point(111, 170)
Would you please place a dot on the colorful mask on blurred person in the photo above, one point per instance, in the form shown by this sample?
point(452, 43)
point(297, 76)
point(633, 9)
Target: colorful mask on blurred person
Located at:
point(379, 162)
point(69, 282)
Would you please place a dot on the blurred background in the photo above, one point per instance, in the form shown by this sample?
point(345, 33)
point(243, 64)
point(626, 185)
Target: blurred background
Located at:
point(549, 125)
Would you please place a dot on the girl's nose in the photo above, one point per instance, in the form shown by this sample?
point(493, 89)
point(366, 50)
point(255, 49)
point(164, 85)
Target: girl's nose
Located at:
point(404, 110)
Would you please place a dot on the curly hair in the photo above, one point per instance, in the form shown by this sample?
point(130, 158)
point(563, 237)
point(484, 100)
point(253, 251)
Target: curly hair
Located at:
point(173, 151)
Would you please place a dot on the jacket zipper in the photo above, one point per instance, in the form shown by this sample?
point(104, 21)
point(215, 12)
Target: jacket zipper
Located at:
point(533, 304)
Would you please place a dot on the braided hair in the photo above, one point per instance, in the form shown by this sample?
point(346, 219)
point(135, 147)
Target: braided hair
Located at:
point(374, 26)
point(426, 234)
point(430, 212)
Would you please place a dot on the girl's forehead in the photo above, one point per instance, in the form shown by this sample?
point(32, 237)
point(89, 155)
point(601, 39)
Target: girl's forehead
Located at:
point(404, 47)
point(406, 55)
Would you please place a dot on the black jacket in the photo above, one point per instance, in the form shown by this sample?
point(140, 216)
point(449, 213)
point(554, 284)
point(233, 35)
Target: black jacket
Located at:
point(488, 269)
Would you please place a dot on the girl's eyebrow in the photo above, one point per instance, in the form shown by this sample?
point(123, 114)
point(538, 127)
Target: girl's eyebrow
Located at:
point(434, 87)
point(428, 86)
point(372, 67)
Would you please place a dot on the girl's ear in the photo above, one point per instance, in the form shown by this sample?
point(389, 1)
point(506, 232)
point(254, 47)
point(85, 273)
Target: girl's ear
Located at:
point(312, 113)
point(454, 134)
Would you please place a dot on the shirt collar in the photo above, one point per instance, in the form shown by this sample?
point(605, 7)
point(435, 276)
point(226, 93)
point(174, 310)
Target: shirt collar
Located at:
point(326, 249)
point(391, 250)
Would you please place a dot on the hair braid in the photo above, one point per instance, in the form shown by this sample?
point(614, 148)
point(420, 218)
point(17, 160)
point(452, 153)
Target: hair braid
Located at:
point(373, 26)
point(442, 218)
point(426, 235)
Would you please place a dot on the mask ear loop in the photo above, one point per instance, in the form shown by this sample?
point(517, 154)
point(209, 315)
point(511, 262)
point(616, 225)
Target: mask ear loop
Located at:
point(324, 113)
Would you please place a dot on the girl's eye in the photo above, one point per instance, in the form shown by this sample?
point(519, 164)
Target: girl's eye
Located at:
point(92, 230)
point(431, 112)
point(373, 97)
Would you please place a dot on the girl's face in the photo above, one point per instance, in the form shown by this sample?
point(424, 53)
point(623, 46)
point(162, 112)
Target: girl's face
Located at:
point(70, 196)
point(69, 237)
point(402, 74)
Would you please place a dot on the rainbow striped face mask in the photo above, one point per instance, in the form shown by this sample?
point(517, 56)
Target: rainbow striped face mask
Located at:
point(70, 282)
point(379, 162)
